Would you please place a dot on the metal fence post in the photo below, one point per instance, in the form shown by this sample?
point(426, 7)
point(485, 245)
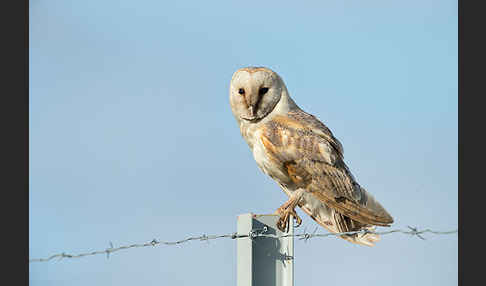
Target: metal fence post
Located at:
point(263, 260)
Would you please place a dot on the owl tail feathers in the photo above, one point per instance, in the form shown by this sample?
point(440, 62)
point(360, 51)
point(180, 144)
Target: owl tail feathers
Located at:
point(336, 223)
point(364, 238)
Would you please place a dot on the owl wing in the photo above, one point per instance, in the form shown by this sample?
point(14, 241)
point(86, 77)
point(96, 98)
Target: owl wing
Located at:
point(318, 128)
point(308, 152)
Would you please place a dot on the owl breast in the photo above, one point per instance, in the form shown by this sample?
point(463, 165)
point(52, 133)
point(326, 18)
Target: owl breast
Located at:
point(268, 164)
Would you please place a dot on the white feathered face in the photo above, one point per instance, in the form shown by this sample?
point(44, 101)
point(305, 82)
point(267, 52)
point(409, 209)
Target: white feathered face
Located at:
point(254, 93)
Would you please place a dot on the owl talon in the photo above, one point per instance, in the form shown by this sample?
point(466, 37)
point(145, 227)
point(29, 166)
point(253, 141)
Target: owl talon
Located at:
point(298, 220)
point(283, 222)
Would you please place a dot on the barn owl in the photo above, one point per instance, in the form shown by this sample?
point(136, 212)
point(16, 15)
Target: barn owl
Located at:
point(301, 154)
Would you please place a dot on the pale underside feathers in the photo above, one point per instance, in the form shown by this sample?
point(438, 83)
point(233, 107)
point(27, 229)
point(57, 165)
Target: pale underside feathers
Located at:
point(301, 153)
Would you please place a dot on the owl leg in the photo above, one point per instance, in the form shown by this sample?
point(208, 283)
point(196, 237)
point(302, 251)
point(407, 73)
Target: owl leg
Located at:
point(287, 209)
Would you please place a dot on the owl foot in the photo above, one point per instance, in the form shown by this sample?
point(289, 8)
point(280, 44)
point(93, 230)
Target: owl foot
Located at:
point(283, 222)
point(288, 209)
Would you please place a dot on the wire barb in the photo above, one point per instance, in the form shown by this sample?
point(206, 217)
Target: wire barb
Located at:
point(414, 231)
point(251, 235)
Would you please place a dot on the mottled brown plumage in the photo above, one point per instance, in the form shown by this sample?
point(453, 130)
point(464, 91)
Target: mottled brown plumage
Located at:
point(301, 154)
point(320, 170)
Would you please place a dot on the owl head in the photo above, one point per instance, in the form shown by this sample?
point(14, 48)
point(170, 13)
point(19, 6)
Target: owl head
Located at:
point(255, 92)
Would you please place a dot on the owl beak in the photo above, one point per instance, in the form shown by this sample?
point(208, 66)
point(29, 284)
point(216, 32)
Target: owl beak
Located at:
point(252, 110)
point(253, 117)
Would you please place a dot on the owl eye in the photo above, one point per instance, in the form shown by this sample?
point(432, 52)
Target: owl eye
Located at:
point(241, 91)
point(263, 90)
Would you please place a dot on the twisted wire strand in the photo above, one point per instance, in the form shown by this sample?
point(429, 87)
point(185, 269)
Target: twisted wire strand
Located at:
point(413, 231)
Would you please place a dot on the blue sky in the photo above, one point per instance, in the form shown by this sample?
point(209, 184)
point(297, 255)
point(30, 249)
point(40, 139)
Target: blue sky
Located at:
point(132, 137)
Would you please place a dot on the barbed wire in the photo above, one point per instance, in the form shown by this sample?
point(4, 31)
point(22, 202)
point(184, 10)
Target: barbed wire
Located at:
point(413, 231)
